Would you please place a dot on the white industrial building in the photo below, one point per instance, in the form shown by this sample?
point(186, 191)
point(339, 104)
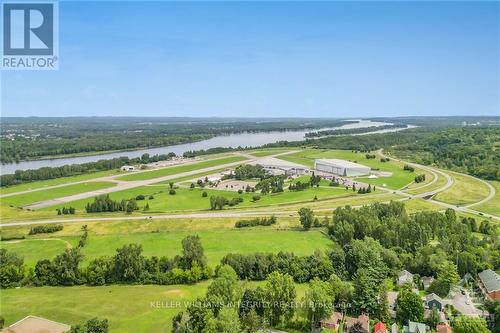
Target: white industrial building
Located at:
point(341, 167)
point(276, 166)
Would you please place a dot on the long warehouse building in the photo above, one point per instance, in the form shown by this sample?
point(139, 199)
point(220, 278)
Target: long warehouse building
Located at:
point(341, 167)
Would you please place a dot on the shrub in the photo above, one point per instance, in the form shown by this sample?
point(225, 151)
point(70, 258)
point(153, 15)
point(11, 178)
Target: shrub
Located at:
point(204, 194)
point(140, 197)
point(265, 221)
point(171, 191)
point(256, 198)
point(408, 168)
point(45, 229)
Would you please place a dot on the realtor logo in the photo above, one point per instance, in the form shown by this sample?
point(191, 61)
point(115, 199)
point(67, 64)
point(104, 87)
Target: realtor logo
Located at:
point(29, 32)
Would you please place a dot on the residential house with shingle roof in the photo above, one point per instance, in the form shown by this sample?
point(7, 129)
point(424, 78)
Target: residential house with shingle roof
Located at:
point(379, 327)
point(404, 277)
point(433, 300)
point(489, 283)
point(414, 327)
point(364, 320)
point(334, 322)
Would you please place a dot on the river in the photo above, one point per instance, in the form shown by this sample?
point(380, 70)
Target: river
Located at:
point(244, 139)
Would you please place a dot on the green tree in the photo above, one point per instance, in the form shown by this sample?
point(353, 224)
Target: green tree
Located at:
point(280, 295)
point(383, 305)
point(318, 302)
point(224, 291)
point(306, 218)
point(227, 321)
point(367, 284)
point(128, 263)
point(192, 253)
point(11, 269)
point(409, 306)
point(433, 318)
point(464, 324)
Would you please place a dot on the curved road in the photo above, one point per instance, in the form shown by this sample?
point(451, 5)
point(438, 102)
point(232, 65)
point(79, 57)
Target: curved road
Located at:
point(449, 182)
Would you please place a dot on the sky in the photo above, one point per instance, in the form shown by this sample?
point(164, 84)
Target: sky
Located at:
point(266, 59)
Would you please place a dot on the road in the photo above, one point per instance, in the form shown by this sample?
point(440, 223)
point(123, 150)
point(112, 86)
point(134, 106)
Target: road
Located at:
point(237, 214)
point(125, 185)
point(449, 182)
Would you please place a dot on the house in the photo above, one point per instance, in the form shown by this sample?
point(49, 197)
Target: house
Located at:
point(394, 328)
point(433, 300)
point(32, 324)
point(489, 283)
point(414, 327)
point(341, 167)
point(404, 277)
point(379, 328)
point(443, 328)
point(127, 168)
point(427, 281)
point(364, 320)
point(334, 322)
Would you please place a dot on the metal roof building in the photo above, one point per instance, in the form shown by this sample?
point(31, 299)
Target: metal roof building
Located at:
point(341, 167)
point(276, 165)
point(490, 284)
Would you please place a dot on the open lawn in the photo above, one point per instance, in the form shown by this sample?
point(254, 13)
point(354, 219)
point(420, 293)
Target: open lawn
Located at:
point(268, 152)
point(57, 181)
point(216, 243)
point(465, 190)
point(492, 206)
point(58, 192)
point(192, 200)
point(181, 168)
point(440, 182)
point(399, 178)
point(129, 308)
point(34, 249)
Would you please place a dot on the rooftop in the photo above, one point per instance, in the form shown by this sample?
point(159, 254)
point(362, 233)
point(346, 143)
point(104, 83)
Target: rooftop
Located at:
point(277, 163)
point(433, 296)
point(33, 324)
point(342, 163)
point(490, 280)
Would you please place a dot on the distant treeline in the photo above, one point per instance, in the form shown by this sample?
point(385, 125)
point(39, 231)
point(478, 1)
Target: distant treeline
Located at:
point(349, 131)
point(472, 150)
point(26, 176)
point(33, 138)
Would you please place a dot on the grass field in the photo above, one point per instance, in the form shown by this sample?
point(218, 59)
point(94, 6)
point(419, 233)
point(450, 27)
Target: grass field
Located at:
point(267, 152)
point(127, 307)
point(216, 243)
point(57, 181)
point(181, 168)
point(492, 206)
point(440, 182)
point(465, 190)
point(399, 178)
point(58, 192)
point(34, 249)
point(192, 200)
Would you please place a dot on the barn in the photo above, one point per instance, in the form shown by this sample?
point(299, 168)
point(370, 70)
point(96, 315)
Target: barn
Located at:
point(341, 167)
